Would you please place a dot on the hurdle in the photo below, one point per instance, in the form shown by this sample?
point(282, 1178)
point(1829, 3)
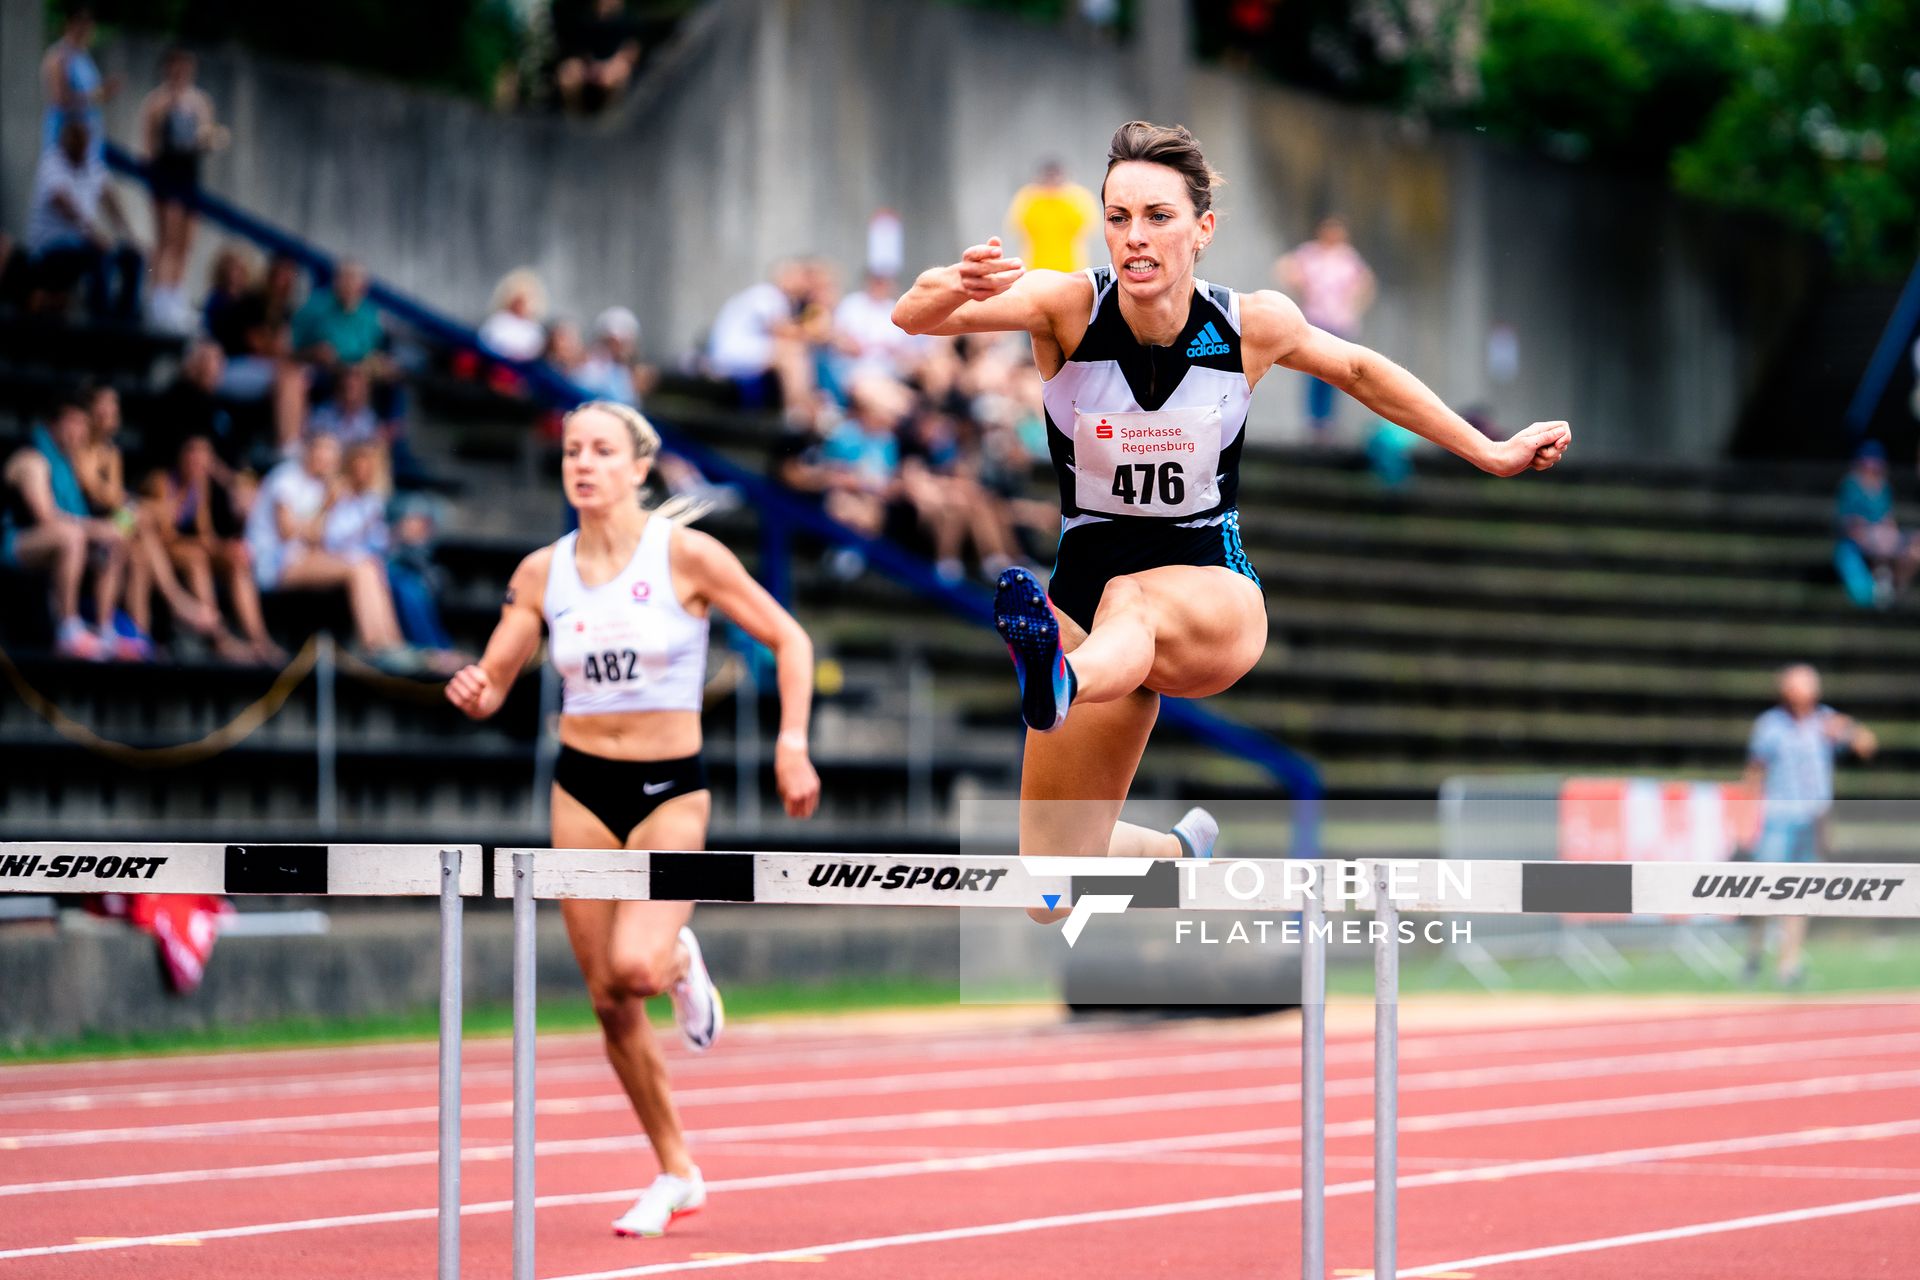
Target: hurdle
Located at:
point(449, 873)
point(1386, 888)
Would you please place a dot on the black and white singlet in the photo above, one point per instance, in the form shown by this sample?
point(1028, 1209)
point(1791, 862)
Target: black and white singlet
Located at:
point(1146, 444)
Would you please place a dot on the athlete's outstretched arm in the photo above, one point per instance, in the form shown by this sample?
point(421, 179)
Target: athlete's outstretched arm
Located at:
point(984, 292)
point(479, 689)
point(719, 577)
point(1274, 329)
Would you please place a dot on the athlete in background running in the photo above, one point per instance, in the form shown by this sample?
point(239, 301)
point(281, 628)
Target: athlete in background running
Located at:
point(625, 601)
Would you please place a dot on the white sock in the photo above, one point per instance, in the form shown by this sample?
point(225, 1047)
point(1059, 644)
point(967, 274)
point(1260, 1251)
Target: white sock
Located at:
point(1197, 831)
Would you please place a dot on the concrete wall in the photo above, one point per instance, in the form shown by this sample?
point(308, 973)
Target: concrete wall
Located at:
point(23, 40)
point(781, 124)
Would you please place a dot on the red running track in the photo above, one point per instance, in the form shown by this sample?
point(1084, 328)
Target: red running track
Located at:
point(1740, 1140)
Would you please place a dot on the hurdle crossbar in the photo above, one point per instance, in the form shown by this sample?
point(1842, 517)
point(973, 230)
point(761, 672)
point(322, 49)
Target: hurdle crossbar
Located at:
point(1386, 888)
point(1423, 886)
point(448, 873)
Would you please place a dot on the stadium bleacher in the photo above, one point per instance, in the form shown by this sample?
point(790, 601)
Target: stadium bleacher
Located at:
point(1603, 618)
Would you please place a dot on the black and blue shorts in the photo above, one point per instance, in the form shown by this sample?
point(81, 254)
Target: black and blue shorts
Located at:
point(1092, 555)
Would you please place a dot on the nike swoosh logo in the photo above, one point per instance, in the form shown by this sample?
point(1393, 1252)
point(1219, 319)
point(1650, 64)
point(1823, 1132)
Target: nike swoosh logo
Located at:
point(563, 613)
point(655, 788)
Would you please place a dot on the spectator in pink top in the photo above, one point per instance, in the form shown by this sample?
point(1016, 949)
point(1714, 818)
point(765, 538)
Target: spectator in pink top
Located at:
point(1334, 287)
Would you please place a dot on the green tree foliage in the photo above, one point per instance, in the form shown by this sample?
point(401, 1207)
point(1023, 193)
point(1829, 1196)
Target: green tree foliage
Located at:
point(1823, 129)
point(452, 44)
point(1622, 83)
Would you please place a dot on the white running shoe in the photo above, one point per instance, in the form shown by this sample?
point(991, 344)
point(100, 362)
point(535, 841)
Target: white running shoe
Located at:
point(696, 1001)
point(669, 1197)
point(1197, 831)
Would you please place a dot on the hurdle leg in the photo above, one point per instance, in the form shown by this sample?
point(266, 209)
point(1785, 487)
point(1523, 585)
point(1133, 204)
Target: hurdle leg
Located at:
point(451, 978)
point(1313, 1081)
point(1386, 1078)
point(523, 1066)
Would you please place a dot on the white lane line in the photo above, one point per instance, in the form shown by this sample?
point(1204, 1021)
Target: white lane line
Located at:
point(899, 1082)
point(591, 1065)
point(1876, 1205)
point(1790, 1172)
point(1359, 1187)
point(1801, 1050)
point(1006, 1159)
point(482, 1063)
point(1351, 1086)
point(753, 1046)
point(1128, 1069)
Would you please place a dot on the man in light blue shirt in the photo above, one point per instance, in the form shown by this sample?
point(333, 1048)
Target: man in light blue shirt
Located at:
point(1790, 757)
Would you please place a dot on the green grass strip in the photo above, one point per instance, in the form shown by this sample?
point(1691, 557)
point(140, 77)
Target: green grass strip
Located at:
point(1835, 964)
point(567, 1013)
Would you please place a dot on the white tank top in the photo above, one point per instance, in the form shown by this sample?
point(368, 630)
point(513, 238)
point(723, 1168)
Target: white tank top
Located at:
point(626, 645)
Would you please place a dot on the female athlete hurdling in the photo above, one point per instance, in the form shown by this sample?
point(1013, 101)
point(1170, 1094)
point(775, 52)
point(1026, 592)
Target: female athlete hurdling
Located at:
point(1148, 375)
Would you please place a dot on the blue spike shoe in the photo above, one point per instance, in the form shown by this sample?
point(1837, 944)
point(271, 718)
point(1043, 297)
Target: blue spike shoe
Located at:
point(1025, 621)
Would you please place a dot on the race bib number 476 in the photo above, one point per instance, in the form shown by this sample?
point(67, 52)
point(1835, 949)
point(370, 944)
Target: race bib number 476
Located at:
point(1164, 463)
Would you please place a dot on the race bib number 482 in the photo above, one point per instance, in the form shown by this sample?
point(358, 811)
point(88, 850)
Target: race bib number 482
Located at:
point(1164, 463)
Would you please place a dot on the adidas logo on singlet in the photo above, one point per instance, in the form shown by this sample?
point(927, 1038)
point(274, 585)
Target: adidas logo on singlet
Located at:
point(1207, 343)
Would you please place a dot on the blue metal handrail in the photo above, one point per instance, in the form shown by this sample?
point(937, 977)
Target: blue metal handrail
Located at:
point(781, 514)
point(1894, 339)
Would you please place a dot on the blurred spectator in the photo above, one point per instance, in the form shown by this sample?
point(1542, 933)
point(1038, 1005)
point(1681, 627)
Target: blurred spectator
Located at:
point(867, 471)
point(99, 465)
point(49, 526)
point(939, 474)
point(416, 580)
point(761, 341)
point(1014, 444)
point(566, 351)
point(514, 331)
point(886, 244)
point(178, 126)
point(1503, 354)
point(929, 452)
point(253, 324)
point(68, 239)
point(796, 464)
point(1390, 450)
point(953, 450)
point(72, 84)
point(356, 524)
point(1052, 218)
point(190, 406)
point(866, 338)
point(613, 371)
point(349, 416)
point(339, 325)
point(286, 532)
point(229, 279)
point(199, 519)
point(1876, 559)
point(1790, 758)
point(597, 57)
point(1334, 287)
point(101, 470)
point(860, 457)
